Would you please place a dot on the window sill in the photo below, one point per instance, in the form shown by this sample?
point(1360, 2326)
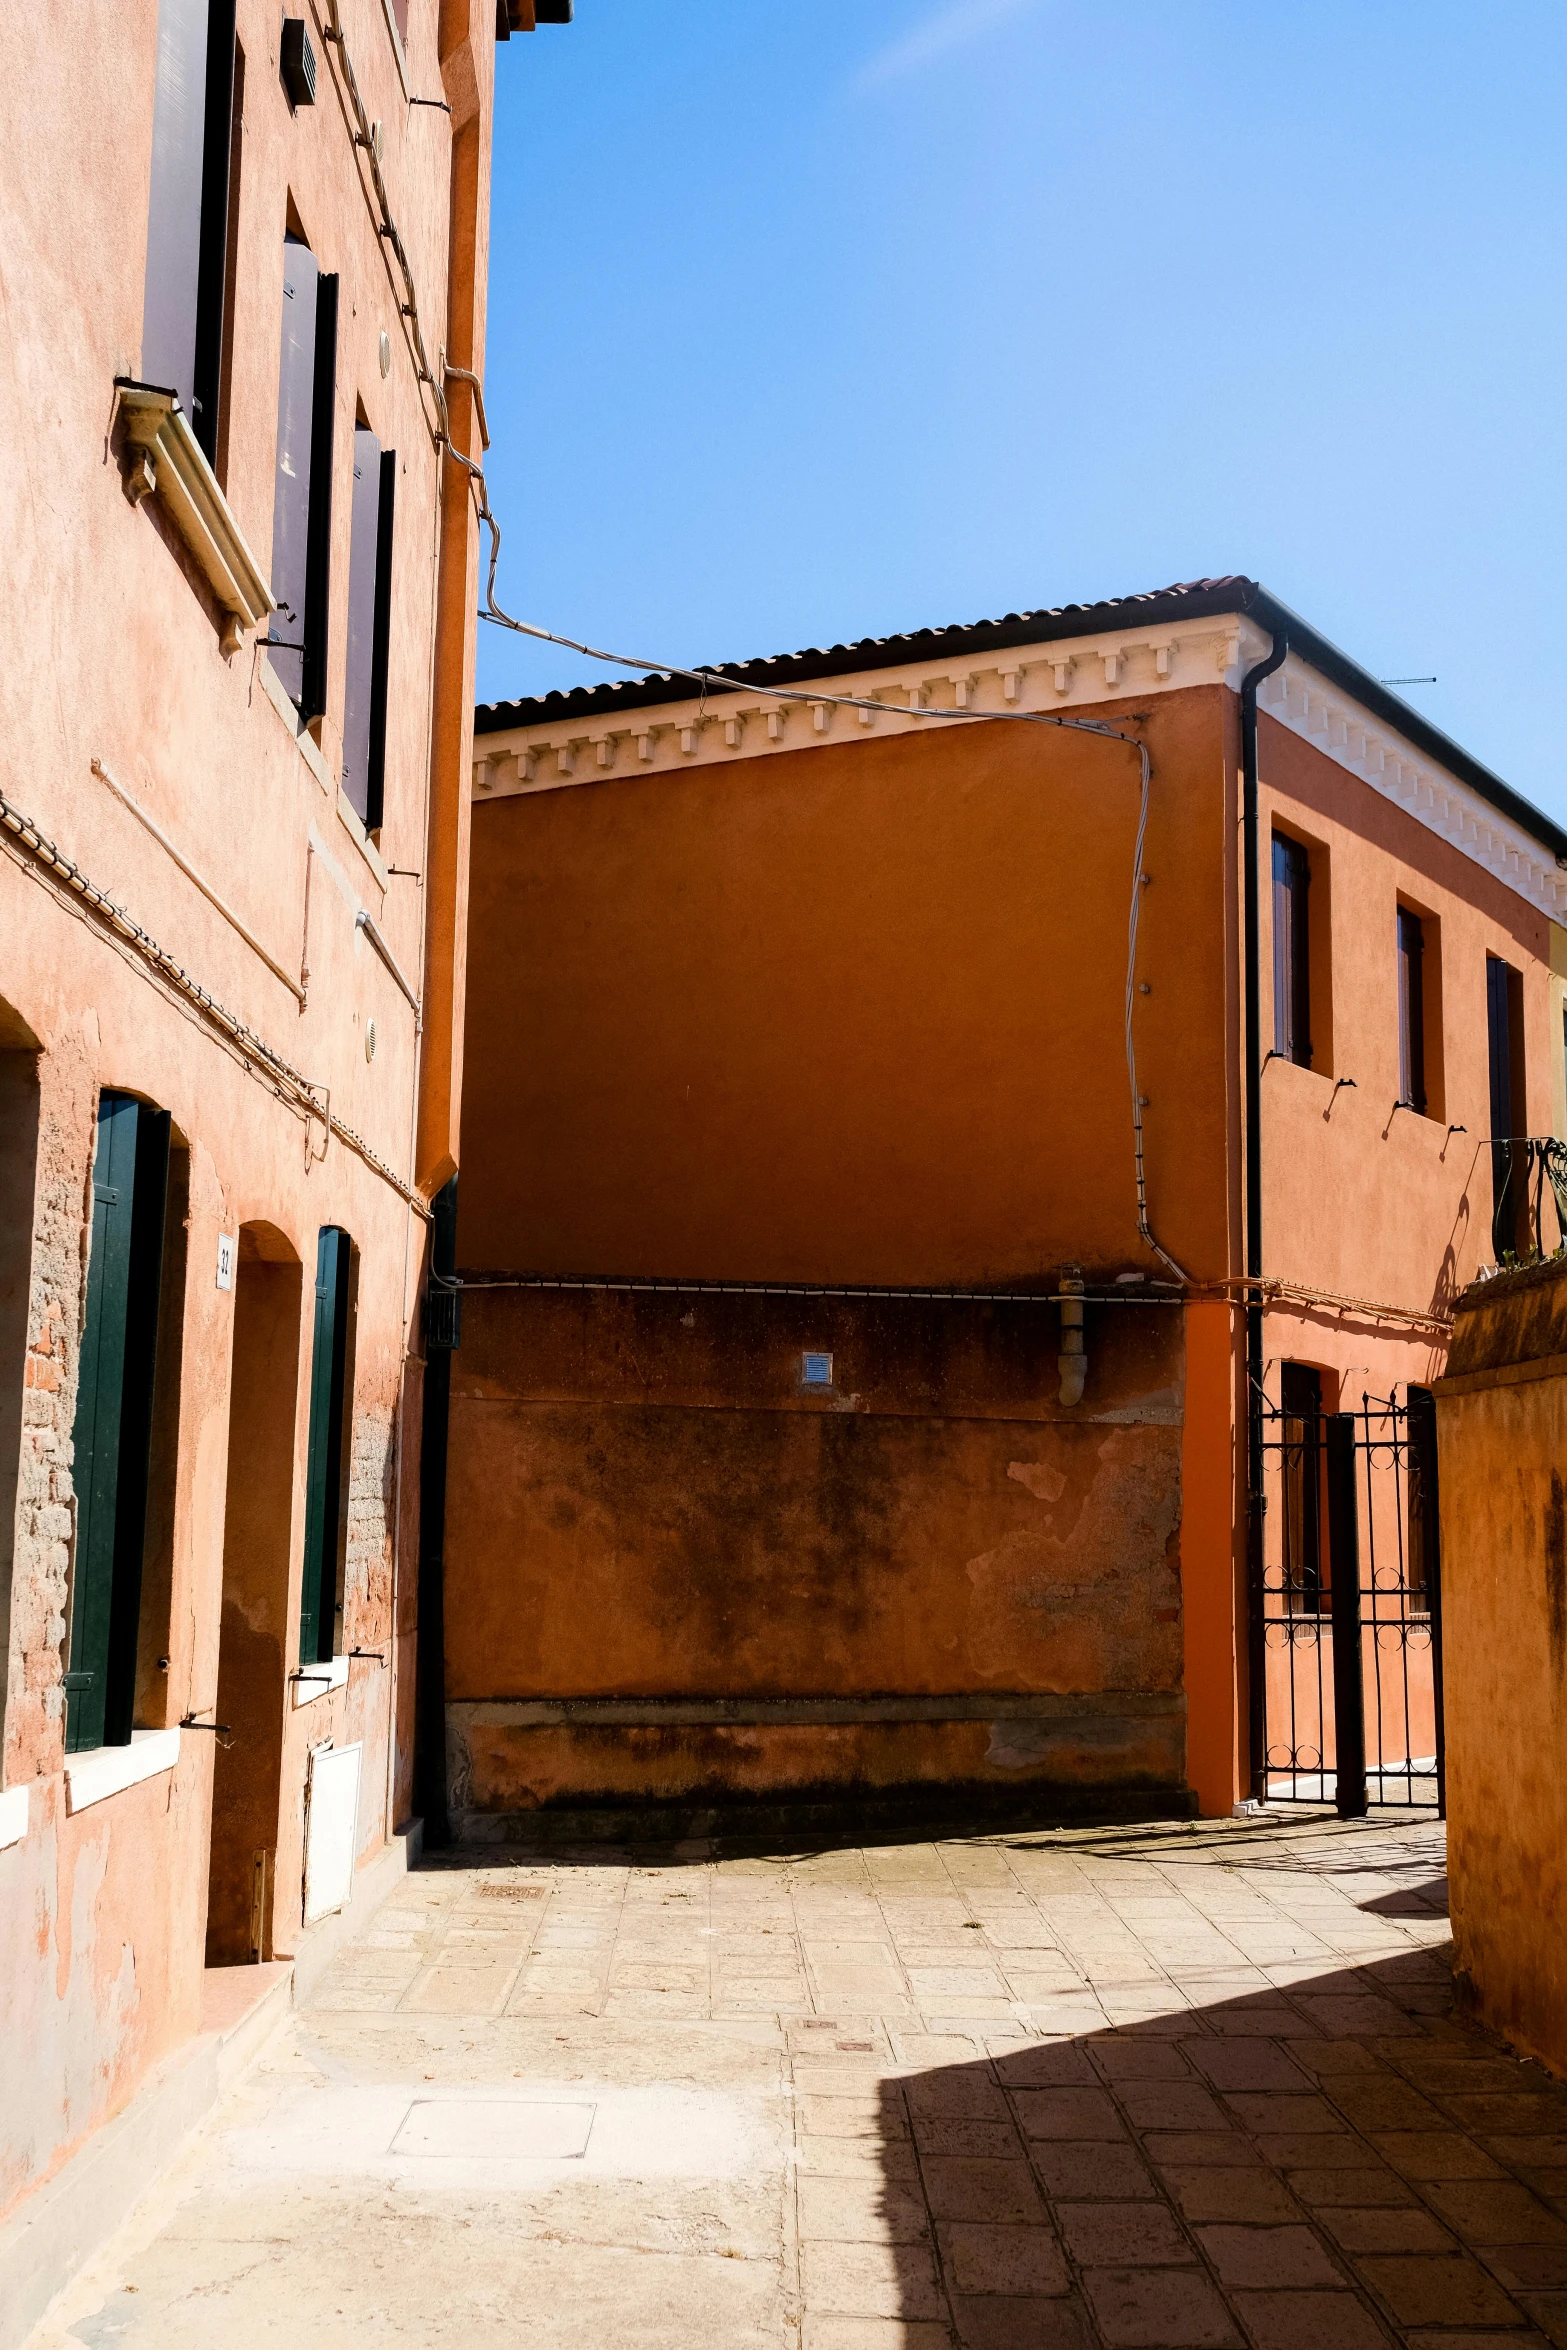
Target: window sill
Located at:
point(13, 1816)
point(353, 824)
point(314, 1681)
point(89, 1778)
point(304, 743)
point(167, 457)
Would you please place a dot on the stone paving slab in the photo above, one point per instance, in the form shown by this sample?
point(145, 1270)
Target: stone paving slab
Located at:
point(1190, 2087)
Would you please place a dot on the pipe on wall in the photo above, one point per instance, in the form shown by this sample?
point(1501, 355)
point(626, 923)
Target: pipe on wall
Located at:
point(1257, 1719)
point(1072, 1362)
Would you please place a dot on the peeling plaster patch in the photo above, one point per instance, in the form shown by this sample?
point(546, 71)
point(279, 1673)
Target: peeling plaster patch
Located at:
point(1043, 1482)
point(1098, 1606)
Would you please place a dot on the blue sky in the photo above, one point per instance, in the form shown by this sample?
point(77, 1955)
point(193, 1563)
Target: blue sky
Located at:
point(815, 319)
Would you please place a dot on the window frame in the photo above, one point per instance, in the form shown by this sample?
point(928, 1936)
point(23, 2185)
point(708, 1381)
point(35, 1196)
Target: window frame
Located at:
point(331, 1408)
point(1291, 874)
point(1411, 951)
point(112, 1428)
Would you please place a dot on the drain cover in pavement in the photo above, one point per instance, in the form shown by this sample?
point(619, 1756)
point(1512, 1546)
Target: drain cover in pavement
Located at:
point(496, 2131)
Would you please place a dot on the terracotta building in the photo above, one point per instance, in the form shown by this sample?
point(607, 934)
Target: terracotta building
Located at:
point(245, 256)
point(853, 1398)
point(1501, 1413)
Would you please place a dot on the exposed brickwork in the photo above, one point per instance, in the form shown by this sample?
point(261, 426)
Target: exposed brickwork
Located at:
point(45, 1501)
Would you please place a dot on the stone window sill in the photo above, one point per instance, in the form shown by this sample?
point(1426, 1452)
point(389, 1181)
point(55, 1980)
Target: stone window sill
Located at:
point(164, 455)
point(13, 1816)
point(107, 1770)
point(313, 1681)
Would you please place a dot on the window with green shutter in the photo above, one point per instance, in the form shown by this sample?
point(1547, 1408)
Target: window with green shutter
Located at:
point(324, 1479)
point(112, 1433)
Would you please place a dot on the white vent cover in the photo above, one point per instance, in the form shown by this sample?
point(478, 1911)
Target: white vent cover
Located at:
point(331, 1828)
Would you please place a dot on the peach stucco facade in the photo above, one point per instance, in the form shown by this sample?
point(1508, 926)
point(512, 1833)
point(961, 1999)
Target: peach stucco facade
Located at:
point(799, 996)
point(194, 915)
point(1501, 1417)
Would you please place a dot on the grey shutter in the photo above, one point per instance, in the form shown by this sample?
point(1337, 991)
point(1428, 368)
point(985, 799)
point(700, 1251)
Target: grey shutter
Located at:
point(291, 496)
point(212, 272)
point(318, 552)
point(364, 542)
point(381, 669)
point(168, 334)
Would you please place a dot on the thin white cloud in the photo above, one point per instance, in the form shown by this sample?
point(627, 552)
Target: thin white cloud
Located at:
point(944, 30)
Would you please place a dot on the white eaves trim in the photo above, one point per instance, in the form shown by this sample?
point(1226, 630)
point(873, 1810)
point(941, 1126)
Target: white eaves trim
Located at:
point(107, 1770)
point(1066, 675)
point(13, 1816)
point(313, 1681)
point(1336, 724)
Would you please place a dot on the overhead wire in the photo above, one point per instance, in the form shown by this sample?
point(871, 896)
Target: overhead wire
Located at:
point(728, 683)
point(441, 436)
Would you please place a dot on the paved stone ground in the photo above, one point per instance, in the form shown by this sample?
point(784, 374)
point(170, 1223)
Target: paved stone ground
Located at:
point(1156, 2089)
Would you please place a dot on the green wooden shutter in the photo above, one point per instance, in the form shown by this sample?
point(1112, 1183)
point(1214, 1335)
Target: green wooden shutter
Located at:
point(113, 1424)
point(136, 1404)
point(324, 1464)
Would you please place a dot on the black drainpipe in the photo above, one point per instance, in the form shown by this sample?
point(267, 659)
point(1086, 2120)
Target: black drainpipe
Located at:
point(442, 1333)
point(1256, 1653)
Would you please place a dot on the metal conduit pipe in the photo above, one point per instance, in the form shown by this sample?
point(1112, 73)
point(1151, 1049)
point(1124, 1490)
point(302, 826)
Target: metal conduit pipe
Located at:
point(1072, 1361)
point(1256, 1654)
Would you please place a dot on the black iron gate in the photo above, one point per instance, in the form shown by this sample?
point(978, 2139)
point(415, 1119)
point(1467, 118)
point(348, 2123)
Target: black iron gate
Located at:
point(1347, 1601)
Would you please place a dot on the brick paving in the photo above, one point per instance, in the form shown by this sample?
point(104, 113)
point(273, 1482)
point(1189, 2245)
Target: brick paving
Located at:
point(1172, 2088)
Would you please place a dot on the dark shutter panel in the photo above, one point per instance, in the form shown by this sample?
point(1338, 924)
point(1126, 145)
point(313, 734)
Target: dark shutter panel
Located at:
point(380, 668)
point(168, 333)
point(95, 1433)
point(1291, 953)
point(324, 1462)
point(141, 1355)
point(1283, 957)
point(318, 565)
point(364, 535)
point(1504, 1192)
point(291, 495)
point(1411, 1010)
point(214, 231)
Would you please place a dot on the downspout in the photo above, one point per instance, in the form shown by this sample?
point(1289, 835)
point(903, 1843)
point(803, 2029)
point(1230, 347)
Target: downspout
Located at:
point(1256, 1652)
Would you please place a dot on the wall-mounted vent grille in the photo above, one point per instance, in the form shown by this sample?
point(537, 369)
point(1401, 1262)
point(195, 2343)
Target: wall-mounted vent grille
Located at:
point(297, 61)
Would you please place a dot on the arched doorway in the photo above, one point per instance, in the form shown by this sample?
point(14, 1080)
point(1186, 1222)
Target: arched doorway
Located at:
point(255, 1650)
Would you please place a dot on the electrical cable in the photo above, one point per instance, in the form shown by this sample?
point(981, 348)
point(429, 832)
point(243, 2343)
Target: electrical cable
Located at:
point(1094, 726)
point(20, 832)
point(440, 433)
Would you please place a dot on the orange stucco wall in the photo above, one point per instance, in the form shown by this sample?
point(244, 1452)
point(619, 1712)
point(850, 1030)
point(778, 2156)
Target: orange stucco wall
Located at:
point(1501, 1413)
point(114, 654)
point(852, 1013)
point(645, 1501)
point(852, 1016)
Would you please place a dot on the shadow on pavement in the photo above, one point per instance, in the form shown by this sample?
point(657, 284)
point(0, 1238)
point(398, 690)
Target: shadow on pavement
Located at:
point(1321, 2167)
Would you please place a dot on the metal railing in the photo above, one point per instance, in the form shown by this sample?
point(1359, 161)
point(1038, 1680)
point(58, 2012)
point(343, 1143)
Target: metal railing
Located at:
point(1350, 1606)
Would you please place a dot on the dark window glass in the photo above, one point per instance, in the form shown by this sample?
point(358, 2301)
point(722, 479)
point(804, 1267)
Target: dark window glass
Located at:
point(324, 1517)
point(369, 626)
point(1301, 1400)
point(1506, 1163)
point(1411, 1011)
point(302, 497)
point(1291, 952)
point(112, 1432)
point(188, 208)
point(1420, 1478)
